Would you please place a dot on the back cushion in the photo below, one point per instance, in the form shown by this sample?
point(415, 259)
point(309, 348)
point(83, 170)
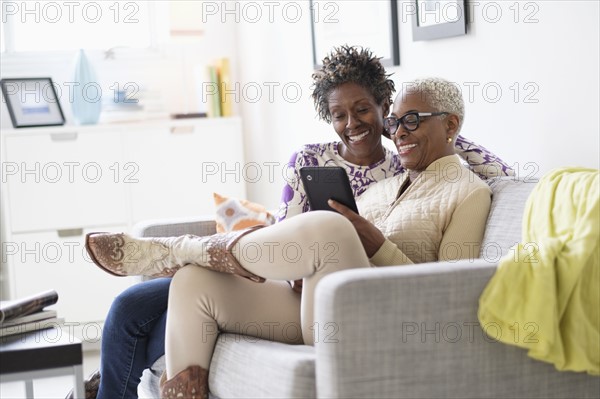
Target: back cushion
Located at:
point(503, 229)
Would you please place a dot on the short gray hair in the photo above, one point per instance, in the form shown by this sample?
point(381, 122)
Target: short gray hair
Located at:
point(440, 94)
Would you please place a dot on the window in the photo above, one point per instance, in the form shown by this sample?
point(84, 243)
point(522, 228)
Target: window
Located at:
point(70, 25)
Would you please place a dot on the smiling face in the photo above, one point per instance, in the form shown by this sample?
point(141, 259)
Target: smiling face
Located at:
point(358, 120)
point(419, 148)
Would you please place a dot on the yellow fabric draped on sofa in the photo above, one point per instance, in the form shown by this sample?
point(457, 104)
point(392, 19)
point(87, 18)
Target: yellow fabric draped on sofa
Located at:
point(545, 295)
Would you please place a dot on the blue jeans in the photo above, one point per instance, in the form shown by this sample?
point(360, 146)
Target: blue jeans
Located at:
point(133, 337)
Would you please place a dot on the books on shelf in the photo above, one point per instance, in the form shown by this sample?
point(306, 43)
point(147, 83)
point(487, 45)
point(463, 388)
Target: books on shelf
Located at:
point(212, 93)
point(28, 314)
point(225, 87)
point(219, 92)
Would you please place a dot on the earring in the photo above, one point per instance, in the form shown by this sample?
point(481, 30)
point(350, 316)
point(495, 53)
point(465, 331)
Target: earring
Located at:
point(449, 139)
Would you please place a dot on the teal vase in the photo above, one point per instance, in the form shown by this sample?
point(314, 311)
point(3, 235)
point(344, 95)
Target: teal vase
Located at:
point(87, 92)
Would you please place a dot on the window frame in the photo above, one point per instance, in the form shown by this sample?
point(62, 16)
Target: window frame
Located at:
point(158, 35)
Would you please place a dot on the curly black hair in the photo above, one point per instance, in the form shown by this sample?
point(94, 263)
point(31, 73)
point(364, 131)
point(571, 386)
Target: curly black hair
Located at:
point(350, 64)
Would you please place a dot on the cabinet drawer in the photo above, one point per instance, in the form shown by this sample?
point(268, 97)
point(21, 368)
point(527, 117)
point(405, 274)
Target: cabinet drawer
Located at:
point(43, 261)
point(64, 180)
point(180, 167)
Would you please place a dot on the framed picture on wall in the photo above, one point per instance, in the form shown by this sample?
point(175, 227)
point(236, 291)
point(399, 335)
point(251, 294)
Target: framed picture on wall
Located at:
point(372, 25)
point(437, 19)
point(32, 102)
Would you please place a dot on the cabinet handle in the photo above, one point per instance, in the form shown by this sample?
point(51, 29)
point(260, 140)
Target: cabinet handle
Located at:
point(67, 136)
point(182, 129)
point(69, 232)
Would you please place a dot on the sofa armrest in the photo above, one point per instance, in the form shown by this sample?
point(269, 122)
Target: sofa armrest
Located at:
point(412, 331)
point(200, 226)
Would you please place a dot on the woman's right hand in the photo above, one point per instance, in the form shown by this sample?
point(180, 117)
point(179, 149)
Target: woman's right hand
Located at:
point(371, 238)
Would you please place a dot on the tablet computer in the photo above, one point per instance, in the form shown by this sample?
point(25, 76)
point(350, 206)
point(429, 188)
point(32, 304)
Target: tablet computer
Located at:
point(322, 183)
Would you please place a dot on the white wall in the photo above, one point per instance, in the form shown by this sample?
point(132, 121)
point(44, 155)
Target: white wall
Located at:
point(554, 62)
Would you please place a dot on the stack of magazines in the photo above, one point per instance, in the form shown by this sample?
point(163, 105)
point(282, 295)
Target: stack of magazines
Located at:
point(28, 314)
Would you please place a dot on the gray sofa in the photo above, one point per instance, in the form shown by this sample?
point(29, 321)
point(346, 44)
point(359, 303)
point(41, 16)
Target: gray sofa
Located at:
point(394, 332)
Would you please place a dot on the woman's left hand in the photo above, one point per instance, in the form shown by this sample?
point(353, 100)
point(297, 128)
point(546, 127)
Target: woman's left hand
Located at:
point(372, 239)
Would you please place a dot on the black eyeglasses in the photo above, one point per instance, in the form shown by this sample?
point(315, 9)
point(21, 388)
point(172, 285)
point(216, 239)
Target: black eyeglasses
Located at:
point(409, 121)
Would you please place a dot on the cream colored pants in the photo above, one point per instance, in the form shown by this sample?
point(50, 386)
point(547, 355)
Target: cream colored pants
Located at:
point(203, 303)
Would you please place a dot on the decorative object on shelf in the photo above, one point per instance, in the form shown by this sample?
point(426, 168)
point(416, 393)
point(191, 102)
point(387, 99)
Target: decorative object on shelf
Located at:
point(433, 19)
point(32, 102)
point(373, 26)
point(86, 104)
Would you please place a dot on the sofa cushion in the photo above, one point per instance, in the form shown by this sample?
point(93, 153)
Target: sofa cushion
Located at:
point(503, 228)
point(248, 367)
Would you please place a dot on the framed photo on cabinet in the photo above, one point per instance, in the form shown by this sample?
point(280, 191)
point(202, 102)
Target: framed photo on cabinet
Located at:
point(32, 102)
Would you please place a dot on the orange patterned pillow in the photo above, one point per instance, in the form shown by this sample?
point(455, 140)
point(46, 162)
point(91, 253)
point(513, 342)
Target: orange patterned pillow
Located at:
point(238, 214)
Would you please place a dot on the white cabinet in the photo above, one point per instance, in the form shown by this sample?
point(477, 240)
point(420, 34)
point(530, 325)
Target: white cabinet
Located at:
point(60, 183)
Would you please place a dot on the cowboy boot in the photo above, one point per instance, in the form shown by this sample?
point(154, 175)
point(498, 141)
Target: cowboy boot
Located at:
point(91, 386)
point(191, 383)
point(122, 255)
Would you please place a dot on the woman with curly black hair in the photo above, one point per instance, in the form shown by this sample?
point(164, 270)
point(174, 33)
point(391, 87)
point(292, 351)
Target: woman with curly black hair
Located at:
point(353, 92)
